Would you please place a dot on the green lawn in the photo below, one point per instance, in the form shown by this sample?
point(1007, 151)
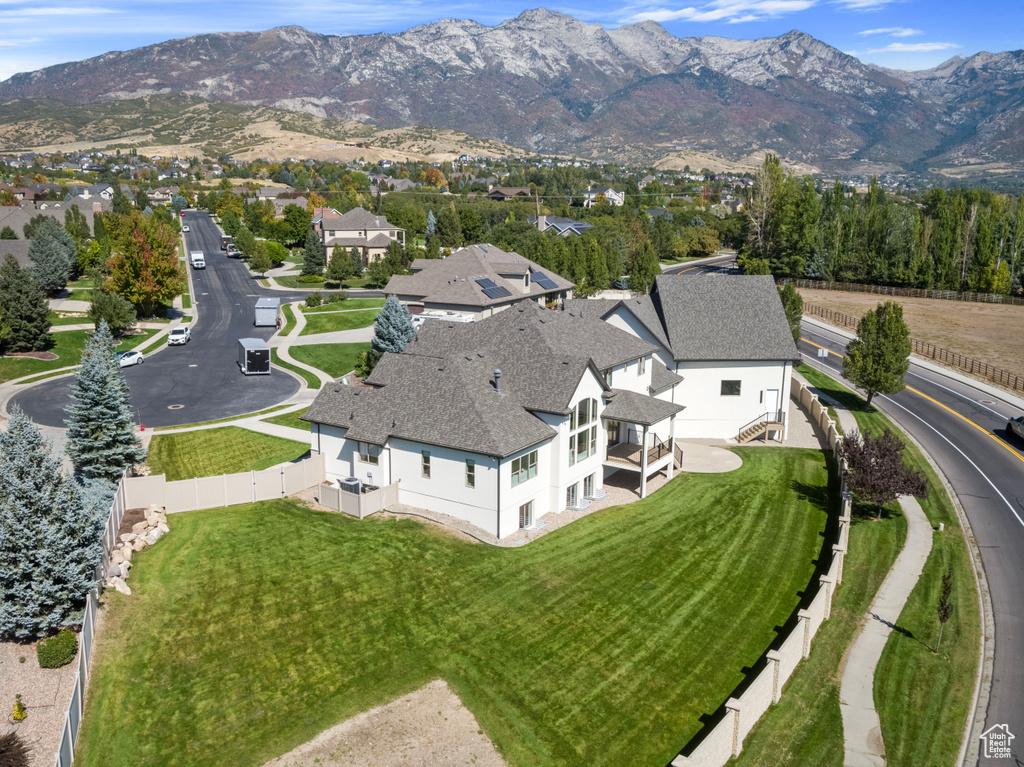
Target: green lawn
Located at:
point(254, 628)
point(329, 323)
point(334, 359)
point(922, 698)
point(223, 420)
point(68, 346)
point(82, 282)
point(348, 303)
point(292, 281)
point(312, 381)
point(289, 318)
point(80, 294)
point(226, 450)
point(58, 321)
point(290, 419)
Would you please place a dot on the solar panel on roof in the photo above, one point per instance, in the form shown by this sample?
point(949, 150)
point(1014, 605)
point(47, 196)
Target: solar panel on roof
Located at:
point(497, 292)
point(485, 283)
point(544, 281)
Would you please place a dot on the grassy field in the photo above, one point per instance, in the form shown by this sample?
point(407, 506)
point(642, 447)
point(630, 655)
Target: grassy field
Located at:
point(334, 359)
point(330, 323)
point(923, 698)
point(68, 346)
point(226, 450)
point(290, 419)
point(254, 628)
point(988, 332)
point(348, 303)
point(312, 381)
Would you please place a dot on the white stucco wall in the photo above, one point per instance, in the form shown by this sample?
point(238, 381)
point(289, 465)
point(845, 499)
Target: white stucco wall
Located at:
point(625, 320)
point(708, 414)
point(341, 459)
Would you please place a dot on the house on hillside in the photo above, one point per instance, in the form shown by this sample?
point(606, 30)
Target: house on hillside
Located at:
point(102, 191)
point(505, 193)
point(596, 194)
point(563, 227)
point(478, 280)
point(728, 339)
point(501, 421)
point(369, 233)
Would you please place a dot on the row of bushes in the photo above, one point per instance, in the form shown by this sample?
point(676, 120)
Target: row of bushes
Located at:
point(317, 298)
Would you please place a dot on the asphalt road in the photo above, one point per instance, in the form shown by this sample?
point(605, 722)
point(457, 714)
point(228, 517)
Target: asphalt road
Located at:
point(964, 430)
point(724, 265)
point(201, 380)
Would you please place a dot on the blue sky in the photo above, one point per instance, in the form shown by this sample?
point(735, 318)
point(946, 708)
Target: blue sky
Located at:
point(904, 34)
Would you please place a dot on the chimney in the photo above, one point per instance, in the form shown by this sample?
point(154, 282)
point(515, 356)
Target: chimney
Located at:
point(497, 381)
point(542, 223)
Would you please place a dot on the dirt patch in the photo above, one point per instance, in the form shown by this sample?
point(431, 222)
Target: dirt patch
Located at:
point(131, 517)
point(428, 728)
point(34, 355)
point(987, 332)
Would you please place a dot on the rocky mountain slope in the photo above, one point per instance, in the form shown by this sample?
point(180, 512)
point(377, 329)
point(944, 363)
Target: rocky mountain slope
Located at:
point(552, 83)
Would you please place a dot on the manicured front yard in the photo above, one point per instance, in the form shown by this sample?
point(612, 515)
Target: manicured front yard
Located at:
point(210, 452)
point(254, 628)
point(334, 359)
point(342, 320)
point(348, 303)
point(290, 419)
point(292, 281)
point(68, 346)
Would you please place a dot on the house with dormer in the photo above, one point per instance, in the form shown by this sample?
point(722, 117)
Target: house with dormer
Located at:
point(369, 233)
point(595, 195)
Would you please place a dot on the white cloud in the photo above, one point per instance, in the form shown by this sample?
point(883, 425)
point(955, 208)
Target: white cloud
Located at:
point(864, 5)
point(732, 11)
point(18, 13)
point(893, 32)
point(907, 48)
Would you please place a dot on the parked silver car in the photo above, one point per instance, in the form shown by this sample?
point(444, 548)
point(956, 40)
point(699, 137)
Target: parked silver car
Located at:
point(1015, 426)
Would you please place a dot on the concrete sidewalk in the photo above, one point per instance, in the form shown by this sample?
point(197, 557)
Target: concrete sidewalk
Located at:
point(862, 734)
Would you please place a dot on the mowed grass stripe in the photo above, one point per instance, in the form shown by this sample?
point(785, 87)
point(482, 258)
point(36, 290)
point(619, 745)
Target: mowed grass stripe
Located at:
point(585, 647)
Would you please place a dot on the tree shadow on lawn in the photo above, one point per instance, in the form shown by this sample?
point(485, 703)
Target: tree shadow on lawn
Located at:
point(825, 499)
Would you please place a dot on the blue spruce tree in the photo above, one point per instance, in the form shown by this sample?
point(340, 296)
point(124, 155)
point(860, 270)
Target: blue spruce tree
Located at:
point(49, 537)
point(314, 258)
point(101, 431)
point(431, 224)
point(53, 255)
point(393, 329)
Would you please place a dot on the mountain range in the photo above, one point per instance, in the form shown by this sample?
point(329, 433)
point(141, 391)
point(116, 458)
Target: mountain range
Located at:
point(548, 82)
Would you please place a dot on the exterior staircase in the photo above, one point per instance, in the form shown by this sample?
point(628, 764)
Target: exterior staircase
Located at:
point(763, 424)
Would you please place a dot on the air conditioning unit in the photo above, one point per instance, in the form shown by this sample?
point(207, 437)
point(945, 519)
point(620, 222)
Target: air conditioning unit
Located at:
point(351, 485)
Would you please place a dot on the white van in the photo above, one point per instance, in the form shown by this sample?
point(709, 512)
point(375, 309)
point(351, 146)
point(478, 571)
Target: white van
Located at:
point(197, 259)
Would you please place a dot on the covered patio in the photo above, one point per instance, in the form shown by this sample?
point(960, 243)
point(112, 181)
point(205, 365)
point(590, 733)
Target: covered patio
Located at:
point(633, 422)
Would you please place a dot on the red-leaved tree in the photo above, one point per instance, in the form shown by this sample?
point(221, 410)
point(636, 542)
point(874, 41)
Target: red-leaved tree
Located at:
point(876, 472)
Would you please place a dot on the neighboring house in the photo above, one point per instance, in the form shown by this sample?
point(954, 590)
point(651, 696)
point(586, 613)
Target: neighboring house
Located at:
point(501, 421)
point(653, 213)
point(103, 191)
point(504, 193)
point(648, 179)
point(16, 216)
point(369, 233)
point(594, 194)
point(480, 280)
point(563, 227)
point(280, 203)
point(729, 340)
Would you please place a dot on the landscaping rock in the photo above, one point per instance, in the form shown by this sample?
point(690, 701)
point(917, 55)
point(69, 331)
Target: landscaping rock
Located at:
point(117, 557)
point(140, 527)
point(114, 572)
point(128, 537)
point(155, 534)
point(163, 528)
point(139, 544)
point(120, 585)
point(126, 552)
point(149, 538)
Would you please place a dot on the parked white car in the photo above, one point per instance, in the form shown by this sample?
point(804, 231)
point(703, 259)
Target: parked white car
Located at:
point(179, 336)
point(127, 359)
point(184, 228)
point(1015, 426)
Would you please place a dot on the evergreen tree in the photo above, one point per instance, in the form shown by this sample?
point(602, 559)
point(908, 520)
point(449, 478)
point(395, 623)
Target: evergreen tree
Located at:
point(53, 255)
point(101, 432)
point(431, 224)
point(878, 358)
point(793, 305)
point(49, 537)
point(315, 257)
point(449, 229)
point(393, 329)
point(339, 268)
point(26, 316)
point(122, 203)
point(357, 262)
point(117, 312)
point(8, 234)
point(597, 267)
point(643, 269)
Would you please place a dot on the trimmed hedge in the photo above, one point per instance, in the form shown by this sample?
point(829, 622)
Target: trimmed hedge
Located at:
point(58, 650)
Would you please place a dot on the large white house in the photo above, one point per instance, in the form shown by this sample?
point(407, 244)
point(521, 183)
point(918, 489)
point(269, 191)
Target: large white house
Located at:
point(527, 412)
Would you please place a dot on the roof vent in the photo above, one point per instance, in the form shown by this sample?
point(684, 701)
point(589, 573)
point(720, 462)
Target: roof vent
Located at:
point(497, 381)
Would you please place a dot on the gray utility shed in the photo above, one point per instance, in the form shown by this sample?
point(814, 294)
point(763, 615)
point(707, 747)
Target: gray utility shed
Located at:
point(266, 312)
point(254, 356)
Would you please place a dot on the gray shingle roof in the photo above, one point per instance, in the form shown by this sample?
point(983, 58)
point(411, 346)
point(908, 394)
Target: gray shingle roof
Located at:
point(452, 280)
point(449, 402)
point(723, 317)
point(624, 405)
point(662, 377)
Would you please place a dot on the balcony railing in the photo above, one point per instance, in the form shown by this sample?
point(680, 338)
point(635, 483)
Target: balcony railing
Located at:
point(629, 453)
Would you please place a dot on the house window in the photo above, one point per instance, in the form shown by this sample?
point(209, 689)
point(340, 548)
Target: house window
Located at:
point(588, 487)
point(570, 496)
point(593, 440)
point(572, 449)
point(526, 515)
point(524, 467)
point(584, 443)
point(613, 432)
point(641, 366)
point(369, 453)
point(470, 473)
point(608, 376)
point(730, 388)
point(425, 463)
